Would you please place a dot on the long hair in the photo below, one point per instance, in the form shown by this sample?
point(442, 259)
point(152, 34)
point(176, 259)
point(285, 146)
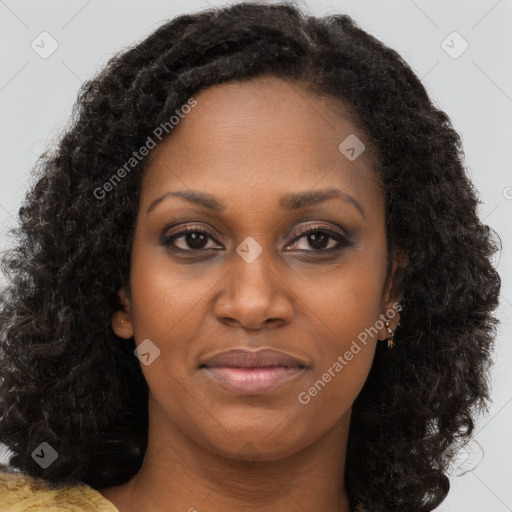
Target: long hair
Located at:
point(68, 380)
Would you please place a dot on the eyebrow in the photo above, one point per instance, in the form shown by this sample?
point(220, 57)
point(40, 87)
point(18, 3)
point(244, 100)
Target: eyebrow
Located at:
point(289, 202)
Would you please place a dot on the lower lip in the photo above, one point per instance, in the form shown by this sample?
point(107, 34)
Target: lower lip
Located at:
point(253, 381)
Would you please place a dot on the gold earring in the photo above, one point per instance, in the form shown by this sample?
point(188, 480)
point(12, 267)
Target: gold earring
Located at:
point(391, 342)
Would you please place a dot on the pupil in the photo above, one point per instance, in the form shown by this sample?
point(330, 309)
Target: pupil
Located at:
point(317, 240)
point(196, 240)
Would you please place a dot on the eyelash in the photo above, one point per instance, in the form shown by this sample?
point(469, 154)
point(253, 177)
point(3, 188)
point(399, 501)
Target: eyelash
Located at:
point(341, 240)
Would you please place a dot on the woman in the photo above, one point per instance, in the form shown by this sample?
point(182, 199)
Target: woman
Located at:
point(247, 202)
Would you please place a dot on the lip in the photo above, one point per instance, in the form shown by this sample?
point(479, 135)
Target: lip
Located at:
point(244, 358)
point(253, 381)
point(249, 372)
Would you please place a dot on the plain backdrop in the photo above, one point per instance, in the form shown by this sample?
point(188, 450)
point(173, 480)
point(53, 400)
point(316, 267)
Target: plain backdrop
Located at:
point(472, 85)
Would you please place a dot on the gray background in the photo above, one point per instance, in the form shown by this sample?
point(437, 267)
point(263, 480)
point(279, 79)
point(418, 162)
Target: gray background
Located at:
point(475, 89)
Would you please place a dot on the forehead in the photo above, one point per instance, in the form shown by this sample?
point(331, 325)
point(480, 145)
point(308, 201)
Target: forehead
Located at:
point(258, 137)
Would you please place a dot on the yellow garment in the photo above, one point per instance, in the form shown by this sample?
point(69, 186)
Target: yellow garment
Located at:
point(21, 493)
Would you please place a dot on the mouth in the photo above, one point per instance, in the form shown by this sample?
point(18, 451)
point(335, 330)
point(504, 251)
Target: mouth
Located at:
point(252, 372)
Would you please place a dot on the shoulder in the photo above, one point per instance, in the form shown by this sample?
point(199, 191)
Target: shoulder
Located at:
point(22, 493)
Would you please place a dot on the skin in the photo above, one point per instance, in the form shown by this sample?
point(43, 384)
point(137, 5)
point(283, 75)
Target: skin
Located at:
point(249, 144)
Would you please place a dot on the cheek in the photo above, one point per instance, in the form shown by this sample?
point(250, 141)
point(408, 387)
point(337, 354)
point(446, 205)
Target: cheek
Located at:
point(342, 365)
point(345, 317)
point(165, 297)
point(346, 300)
point(166, 309)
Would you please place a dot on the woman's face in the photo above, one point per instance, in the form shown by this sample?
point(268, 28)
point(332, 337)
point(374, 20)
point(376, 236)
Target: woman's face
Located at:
point(252, 277)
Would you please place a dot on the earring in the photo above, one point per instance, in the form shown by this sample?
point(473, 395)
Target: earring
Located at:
point(391, 342)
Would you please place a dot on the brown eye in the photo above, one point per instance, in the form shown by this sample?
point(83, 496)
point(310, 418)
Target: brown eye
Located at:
point(318, 239)
point(196, 239)
point(191, 239)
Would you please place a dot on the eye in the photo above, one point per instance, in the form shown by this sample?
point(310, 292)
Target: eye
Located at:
point(318, 239)
point(195, 238)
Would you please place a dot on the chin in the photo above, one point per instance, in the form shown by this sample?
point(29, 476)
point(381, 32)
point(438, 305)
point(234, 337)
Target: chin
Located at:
point(257, 445)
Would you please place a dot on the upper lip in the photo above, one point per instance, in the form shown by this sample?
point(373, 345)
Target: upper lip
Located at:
point(244, 358)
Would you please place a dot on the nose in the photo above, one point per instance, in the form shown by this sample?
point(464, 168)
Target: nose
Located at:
point(253, 296)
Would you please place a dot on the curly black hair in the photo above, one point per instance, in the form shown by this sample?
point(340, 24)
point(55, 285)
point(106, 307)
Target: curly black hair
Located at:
point(68, 380)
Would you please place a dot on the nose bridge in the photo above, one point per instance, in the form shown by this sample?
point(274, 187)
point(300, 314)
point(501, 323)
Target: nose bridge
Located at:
point(253, 291)
point(253, 272)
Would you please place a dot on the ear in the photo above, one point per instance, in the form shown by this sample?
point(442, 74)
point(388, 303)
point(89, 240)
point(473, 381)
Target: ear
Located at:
point(122, 320)
point(392, 295)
